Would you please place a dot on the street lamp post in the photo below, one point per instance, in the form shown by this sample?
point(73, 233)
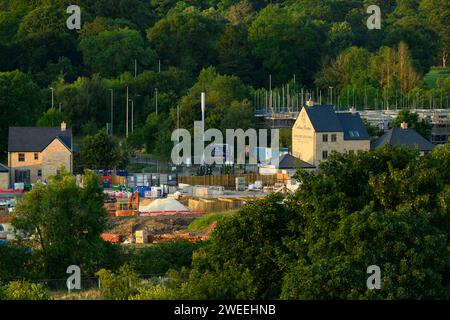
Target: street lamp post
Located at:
point(132, 115)
point(53, 99)
point(156, 101)
point(331, 95)
point(112, 106)
point(126, 121)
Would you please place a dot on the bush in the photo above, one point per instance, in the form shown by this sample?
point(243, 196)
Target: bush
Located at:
point(157, 260)
point(17, 263)
point(24, 290)
point(120, 285)
point(205, 221)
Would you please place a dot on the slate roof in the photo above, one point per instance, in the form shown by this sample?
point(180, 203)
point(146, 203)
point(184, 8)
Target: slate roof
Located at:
point(403, 137)
point(353, 126)
point(3, 168)
point(325, 119)
point(36, 139)
point(288, 161)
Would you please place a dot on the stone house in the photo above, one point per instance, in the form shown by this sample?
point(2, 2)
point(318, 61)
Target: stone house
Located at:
point(35, 154)
point(4, 177)
point(403, 136)
point(319, 130)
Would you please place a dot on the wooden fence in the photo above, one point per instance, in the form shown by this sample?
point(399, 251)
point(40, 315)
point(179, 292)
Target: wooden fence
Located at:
point(228, 180)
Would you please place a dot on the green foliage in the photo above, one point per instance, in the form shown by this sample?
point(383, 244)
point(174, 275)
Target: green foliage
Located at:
point(101, 151)
point(186, 37)
point(226, 104)
point(373, 131)
point(24, 290)
point(383, 208)
point(52, 118)
point(20, 104)
point(387, 207)
point(111, 53)
point(208, 219)
point(158, 259)
point(120, 285)
point(273, 31)
point(65, 222)
point(18, 262)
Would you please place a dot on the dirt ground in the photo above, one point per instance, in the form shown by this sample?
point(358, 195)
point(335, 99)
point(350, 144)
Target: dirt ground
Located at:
point(154, 225)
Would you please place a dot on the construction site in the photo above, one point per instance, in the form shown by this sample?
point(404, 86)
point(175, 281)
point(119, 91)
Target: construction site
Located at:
point(141, 214)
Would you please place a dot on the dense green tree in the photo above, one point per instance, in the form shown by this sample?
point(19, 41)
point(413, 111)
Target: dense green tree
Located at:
point(437, 13)
point(186, 38)
point(52, 118)
point(66, 222)
point(235, 56)
point(84, 101)
point(20, 104)
point(100, 151)
point(110, 53)
point(393, 213)
point(286, 43)
point(221, 92)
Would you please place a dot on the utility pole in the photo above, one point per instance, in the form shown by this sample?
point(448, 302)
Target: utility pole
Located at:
point(135, 68)
point(178, 121)
point(203, 105)
point(53, 99)
point(270, 91)
point(156, 101)
point(112, 109)
point(126, 125)
point(159, 66)
point(331, 95)
point(132, 115)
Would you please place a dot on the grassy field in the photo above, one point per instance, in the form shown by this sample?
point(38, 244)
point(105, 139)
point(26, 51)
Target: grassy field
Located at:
point(435, 74)
point(207, 220)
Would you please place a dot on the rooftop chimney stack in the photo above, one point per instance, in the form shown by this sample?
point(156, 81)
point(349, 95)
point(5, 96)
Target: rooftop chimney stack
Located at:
point(404, 125)
point(310, 103)
point(63, 126)
point(353, 110)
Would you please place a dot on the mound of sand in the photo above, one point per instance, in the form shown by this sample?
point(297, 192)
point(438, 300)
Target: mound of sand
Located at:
point(168, 204)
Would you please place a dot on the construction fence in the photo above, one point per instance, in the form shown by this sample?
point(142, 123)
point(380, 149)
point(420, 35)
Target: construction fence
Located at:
point(228, 180)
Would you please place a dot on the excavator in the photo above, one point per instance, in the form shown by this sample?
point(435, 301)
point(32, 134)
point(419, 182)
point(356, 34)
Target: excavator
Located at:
point(133, 206)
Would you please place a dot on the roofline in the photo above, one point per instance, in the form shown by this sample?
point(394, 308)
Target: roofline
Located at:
point(62, 142)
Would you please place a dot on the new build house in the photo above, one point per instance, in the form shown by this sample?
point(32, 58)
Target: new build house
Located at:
point(34, 153)
point(319, 130)
point(4, 177)
point(403, 136)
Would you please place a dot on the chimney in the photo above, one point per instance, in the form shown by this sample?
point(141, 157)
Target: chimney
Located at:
point(404, 125)
point(63, 126)
point(310, 103)
point(353, 110)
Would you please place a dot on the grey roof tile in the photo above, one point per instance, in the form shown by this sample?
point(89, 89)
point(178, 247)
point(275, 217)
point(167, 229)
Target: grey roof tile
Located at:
point(3, 168)
point(353, 126)
point(36, 139)
point(288, 161)
point(403, 137)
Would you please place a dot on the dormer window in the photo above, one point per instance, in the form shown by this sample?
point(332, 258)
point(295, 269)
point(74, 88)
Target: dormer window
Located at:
point(21, 157)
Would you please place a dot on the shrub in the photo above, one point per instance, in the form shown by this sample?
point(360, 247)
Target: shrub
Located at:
point(120, 285)
point(158, 259)
point(25, 290)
